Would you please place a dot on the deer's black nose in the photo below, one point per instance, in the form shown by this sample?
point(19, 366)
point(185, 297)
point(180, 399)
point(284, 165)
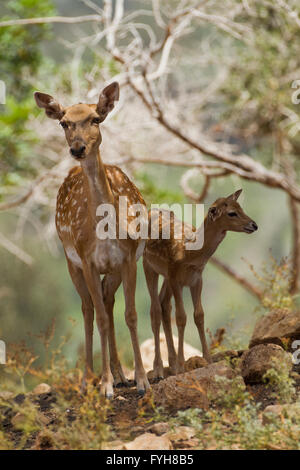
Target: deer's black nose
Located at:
point(254, 225)
point(77, 150)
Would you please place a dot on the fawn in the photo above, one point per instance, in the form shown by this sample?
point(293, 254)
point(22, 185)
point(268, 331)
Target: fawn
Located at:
point(181, 267)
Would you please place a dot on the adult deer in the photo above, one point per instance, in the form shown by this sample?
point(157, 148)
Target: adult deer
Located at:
point(87, 187)
point(182, 267)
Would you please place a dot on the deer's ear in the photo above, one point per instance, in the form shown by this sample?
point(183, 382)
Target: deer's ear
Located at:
point(235, 196)
point(107, 99)
point(213, 213)
point(52, 108)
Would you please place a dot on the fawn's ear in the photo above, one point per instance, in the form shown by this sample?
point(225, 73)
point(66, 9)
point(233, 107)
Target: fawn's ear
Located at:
point(214, 213)
point(52, 108)
point(107, 99)
point(235, 196)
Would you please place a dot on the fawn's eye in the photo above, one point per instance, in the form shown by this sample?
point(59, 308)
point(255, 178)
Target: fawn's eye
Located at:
point(63, 124)
point(96, 121)
point(232, 214)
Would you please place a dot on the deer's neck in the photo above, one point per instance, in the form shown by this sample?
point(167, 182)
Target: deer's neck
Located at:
point(213, 236)
point(96, 184)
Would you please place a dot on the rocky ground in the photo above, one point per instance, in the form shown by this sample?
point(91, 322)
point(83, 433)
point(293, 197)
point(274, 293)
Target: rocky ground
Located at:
point(244, 399)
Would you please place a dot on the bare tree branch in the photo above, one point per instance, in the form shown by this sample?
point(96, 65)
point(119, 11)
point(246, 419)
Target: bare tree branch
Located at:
point(51, 19)
point(237, 277)
point(15, 250)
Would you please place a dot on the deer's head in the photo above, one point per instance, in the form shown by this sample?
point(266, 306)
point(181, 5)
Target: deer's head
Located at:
point(227, 214)
point(81, 121)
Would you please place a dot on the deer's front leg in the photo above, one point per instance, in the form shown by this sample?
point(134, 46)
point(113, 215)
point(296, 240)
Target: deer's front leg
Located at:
point(129, 286)
point(110, 284)
point(180, 322)
point(199, 318)
point(95, 288)
point(88, 316)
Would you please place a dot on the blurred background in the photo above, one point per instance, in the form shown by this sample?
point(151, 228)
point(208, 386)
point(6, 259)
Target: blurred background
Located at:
point(206, 108)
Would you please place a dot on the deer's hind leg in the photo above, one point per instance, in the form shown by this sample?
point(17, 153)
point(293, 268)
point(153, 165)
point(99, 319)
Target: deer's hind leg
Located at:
point(165, 296)
point(88, 316)
point(129, 285)
point(110, 284)
point(155, 313)
point(180, 322)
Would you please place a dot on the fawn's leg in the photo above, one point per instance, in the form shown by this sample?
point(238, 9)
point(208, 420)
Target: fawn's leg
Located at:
point(110, 284)
point(95, 289)
point(180, 321)
point(88, 316)
point(199, 318)
point(129, 285)
point(166, 309)
point(155, 312)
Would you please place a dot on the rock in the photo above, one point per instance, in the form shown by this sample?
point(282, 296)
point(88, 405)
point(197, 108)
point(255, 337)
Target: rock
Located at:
point(5, 395)
point(44, 419)
point(19, 420)
point(181, 433)
point(270, 412)
point(149, 441)
point(159, 428)
point(229, 355)
point(256, 361)
point(148, 349)
point(187, 445)
point(191, 389)
point(41, 388)
point(276, 326)
point(195, 362)
point(114, 445)
point(120, 398)
point(281, 412)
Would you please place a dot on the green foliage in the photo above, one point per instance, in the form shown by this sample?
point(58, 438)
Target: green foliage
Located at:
point(258, 86)
point(275, 281)
point(191, 418)
point(20, 59)
point(75, 421)
point(279, 379)
point(20, 53)
point(154, 194)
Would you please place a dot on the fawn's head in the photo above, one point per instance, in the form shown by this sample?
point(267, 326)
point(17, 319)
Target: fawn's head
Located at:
point(227, 214)
point(81, 121)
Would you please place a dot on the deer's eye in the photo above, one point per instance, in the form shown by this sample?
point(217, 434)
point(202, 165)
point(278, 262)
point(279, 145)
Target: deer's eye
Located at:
point(63, 124)
point(96, 121)
point(232, 214)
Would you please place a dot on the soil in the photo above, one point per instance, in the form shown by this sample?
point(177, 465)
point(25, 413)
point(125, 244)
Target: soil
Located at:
point(129, 415)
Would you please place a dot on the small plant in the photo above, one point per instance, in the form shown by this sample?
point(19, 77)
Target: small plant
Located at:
point(232, 392)
point(191, 417)
point(279, 379)
point(276, 279)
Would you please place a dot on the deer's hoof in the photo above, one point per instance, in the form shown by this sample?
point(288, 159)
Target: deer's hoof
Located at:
point(119, 378)
point(106, 390)
point(158, 372)
point(142, 385)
